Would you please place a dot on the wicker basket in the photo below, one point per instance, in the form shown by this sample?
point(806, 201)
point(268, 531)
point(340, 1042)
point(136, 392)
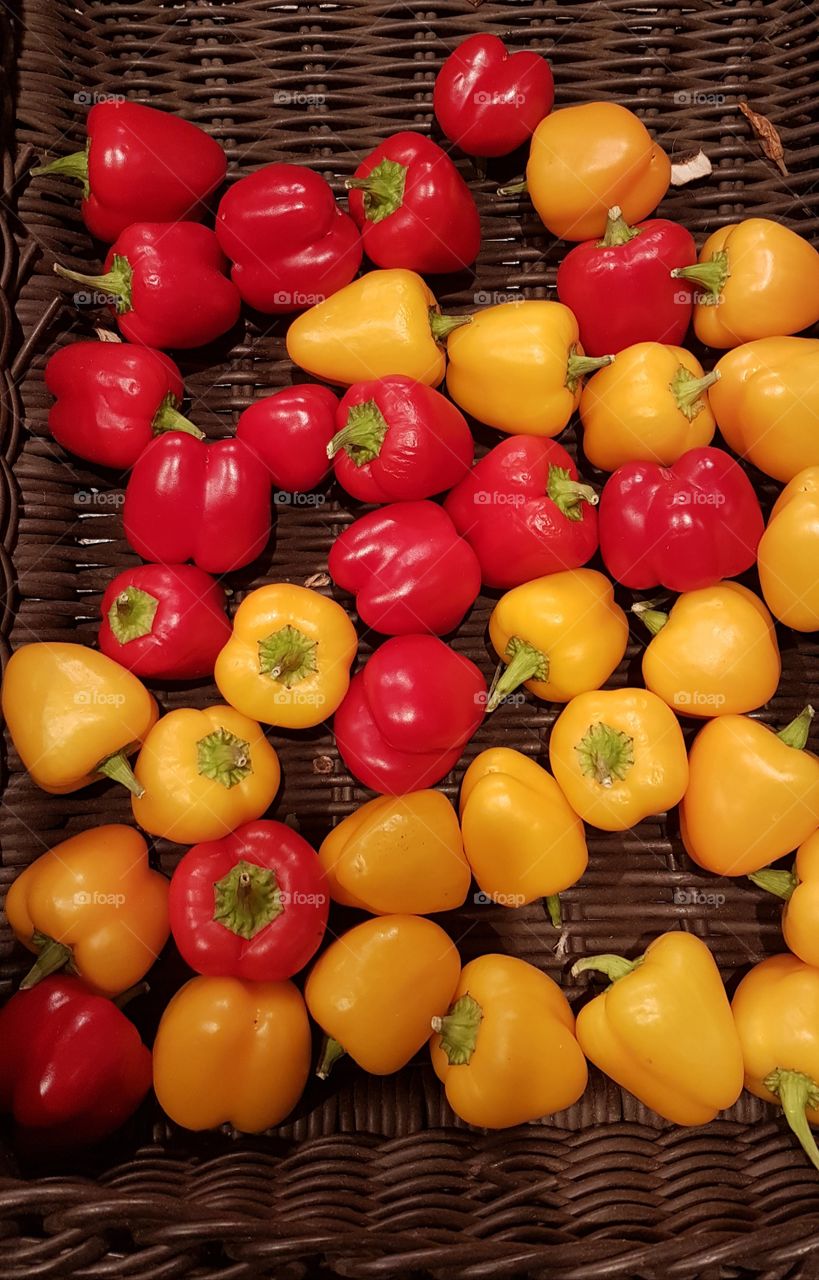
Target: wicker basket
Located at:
point(375, 1178)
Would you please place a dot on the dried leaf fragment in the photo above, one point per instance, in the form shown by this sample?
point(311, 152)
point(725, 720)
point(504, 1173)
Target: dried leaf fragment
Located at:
point(768, 136)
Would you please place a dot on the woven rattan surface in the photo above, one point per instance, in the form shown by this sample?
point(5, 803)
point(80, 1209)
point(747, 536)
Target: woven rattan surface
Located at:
point(373, 1177)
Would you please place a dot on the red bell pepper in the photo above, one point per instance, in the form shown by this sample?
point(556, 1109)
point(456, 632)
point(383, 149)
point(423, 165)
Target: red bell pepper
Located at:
point(253, 905)
point(408, 567)
point(408, 715)
point(290, 244)
point(524, 513)
point(399, 440)
point(188, 499)
point(73, 1068)
point(290, 431)
point(620, 288)
point(414, 208)
point(681, 527)
point(112, 399)
point(164, 622)
point(166, 284)
point(141, 165)
point(488, 100)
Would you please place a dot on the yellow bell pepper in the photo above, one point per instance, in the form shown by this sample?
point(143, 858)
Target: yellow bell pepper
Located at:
point(518, 367)
point(788, 553)
point(800, 890)
point(232, 1052)
point(714, 654)
point(74, 715)
point(506, 1051)
point(663, 1029)
point(652, 406)
point(521, 837)
point(618, 756)
point(753, 794)
point(384, 322)
point(288, 660)
point(559, 636)
point(398, 854)
point(759, 280)
point(375, 990)
point(93, 905)
point(204, 773)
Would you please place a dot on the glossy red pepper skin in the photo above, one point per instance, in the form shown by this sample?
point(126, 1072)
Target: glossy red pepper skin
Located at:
point(681, 527)
point(488, 100)
point(277, 949)
point(433, 225)
point(504, 511)
point(73, 1068)
point(290, 244)
point(408, 568)
point(418, 443)
point(290, 431)
point(408, 715)
point(187, 629)
point(622, 294)
point(190, 499)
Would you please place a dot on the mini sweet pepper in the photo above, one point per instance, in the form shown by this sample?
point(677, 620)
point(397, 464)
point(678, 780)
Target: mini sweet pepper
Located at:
point(788, 554)
point(799, 888)
point(488, 100)
point(289, 432)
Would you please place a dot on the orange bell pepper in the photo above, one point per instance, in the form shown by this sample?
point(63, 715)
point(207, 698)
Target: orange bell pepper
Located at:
point(800, 890)
point(788, 553)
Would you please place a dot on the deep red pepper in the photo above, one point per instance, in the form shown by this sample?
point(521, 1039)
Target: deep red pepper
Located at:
point(409, 714)
point(620, 288)
point(141, 165)
point(73, 1068)
point(681, 527)
point(290, 431)
point(166, 284)
point(189, 499)
point(489, 100)
point(413, 208)
point(399, 440)
point(524, 513)
point(408, 567)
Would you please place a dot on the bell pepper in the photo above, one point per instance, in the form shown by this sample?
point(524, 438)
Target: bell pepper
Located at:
point(73, 1068)
point(375, 990)
point(789, 553)
point(767, 404)
point(681, 527)
point(619, 757)
point(232, 1052)
point(92, 905)
point(141, 165)
point(74, 715)
point(399, 440)
point(800, 890)
point(758, 279)
point(663, 1029)
point(488, 100)
point(164, 622)
point(289, 432)
point(524, 512)
point(413, 208)
point(165, 284)
point(288, 660)
point(620, 288)
point(652, 406)
point(252, 905)
point(112, 399)
point(506, 1050)
point(559, 636)
point(753, 794)
point(206, 501)
point(386, 322)
point(521, 838)
point(519, 367)
point(203, 774)
point(409, 714)
point(398, 854)
point(714, 654)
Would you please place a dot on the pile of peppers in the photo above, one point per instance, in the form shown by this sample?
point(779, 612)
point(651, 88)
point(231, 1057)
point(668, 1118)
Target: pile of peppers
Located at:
point(671, 511)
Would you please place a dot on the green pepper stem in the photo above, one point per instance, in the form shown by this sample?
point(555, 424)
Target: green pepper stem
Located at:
point(52, 956)
point(687, 390)
point(125, 997)
point(654, 619)
point(796, 1093)
point(578, 366)
point(132, 614)
point(442, 326)
point(780, 883)
point(72, 166)
point(605, 754)
point(513, 188)
point(569, 495)
point(614, 967)
point(796, 733)
point(525, 663)
point(617, 230)
point(117, 768)
point(224, 758)
point(116, 282)
point(288, 656)
point(712, 275)
point(247, 899)
point(168, 418)
point(331, 1051)
point(458, 1030)
point(362, 436)
point(383, 189)
point(555, 910)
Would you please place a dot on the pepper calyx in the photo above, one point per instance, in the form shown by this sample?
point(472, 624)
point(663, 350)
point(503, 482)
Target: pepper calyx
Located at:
point(52, 956)
point(288, 656)
point(796, 1093)
point(362, 437)
point(247, 899)
point(617, 230)
point(117, 768)
point(132, 614)
point(115, 283)
point(605, 754)
point(525, 663)
point(382, 189)
point(72, 166)
point(569, 495)
point(687, 390)
point(712, 275)
point(458, 1030)
point(224, 758)
point(168, 418)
